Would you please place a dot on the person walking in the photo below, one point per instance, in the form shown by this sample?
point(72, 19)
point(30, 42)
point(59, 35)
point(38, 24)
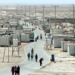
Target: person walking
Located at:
point(32, 51)
point(15, 69)
point(36, 39)
point(40, 36)
point(31, 56)
point(18, 70)
point(36, 57)
point(28, 56)
point(12, 70)
point(45, 34)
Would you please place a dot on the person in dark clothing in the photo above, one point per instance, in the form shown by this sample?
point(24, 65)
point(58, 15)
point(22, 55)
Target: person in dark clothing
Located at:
point(41, 59)
point(32, 51)
point(18, 70)
point(15, 69)
point(36, 39)
point(45, 34)
point(28, 56)
point(32, 29)
point(40, 62)
point(12, 70)
point(31, 56)
point(40, 36)
point(36, 57)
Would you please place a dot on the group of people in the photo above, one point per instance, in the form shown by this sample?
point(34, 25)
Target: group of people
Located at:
point(38, 37)
point(15, 70)
point(31, 55)
point(36, 57)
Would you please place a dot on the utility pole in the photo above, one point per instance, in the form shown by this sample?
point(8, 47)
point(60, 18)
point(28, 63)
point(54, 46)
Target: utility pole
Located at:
point(16, 9)
point(49, 22)
point(73, 18)
point(8, 44)
point(8, 39)
point(21, 12)
point(25, 15)
point(43, 17)
point(55, 15)
point(35, 15)
point(19, 25)
point(29, 14)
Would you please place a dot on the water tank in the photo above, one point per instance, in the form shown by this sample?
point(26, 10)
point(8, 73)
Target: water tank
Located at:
point(15, 42)
point(64, 46)
point(48, 41)
point(52, 56)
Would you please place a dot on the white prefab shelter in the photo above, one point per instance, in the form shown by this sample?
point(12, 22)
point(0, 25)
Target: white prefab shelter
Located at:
point(70, 31)
point(58, 31)
point(64, 46)
point(57, 38)
point(16, 36)
point(71, 49)
point(5, 41)
point(48, 41)
point(25, 38)
point(57, 42)
point(15, 42)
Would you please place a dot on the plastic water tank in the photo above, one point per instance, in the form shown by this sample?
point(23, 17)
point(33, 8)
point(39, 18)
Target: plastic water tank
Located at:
point(48, 41)
point(15, 42)
point(52, 56)
point(64, 46)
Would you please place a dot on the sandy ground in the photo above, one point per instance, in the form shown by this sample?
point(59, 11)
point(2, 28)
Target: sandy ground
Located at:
point(12, 60)
point(59, 67)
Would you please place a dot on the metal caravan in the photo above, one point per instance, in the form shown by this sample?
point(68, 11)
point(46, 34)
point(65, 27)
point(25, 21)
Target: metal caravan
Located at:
point(6, 40)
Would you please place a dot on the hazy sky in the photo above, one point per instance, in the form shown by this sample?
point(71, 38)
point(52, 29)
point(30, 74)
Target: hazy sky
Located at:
point(28, 2)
